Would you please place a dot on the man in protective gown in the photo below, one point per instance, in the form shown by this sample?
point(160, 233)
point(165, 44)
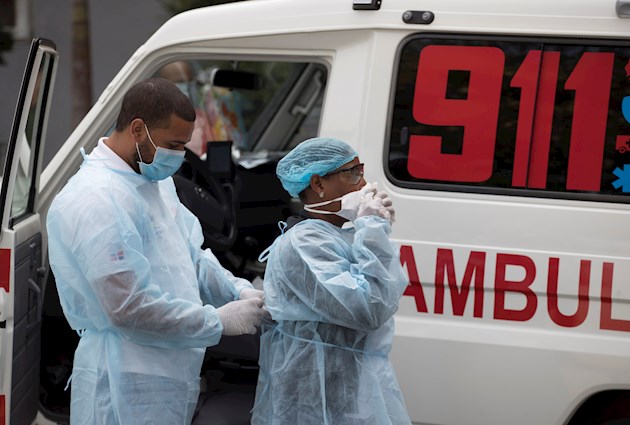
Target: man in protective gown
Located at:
point(131, 275)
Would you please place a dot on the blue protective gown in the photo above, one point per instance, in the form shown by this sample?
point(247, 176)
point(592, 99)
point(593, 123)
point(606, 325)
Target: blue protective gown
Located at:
point(332, 293)
point(133, 280)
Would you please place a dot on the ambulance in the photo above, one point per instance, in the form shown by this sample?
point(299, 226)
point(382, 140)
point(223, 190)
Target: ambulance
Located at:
point(500, 130)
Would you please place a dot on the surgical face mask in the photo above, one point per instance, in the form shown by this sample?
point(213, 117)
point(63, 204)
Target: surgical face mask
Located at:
point(350, 203)
point(165, 162)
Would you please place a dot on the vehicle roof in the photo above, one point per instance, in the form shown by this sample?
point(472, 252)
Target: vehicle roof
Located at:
point(595, 18)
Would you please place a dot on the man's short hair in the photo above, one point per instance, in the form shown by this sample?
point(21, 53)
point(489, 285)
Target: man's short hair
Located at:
point(154, 101)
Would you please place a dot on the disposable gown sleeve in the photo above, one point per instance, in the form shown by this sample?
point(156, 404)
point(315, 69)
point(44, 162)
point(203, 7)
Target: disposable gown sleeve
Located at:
point(150, 317)
point(361, 291)
point(104, 243)
point(217, 285)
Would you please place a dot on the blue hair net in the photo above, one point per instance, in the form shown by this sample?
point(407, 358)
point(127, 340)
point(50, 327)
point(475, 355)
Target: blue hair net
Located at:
point(320, 155)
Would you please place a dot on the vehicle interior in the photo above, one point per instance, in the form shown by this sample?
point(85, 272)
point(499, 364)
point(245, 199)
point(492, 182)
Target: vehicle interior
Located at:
point(249, 114)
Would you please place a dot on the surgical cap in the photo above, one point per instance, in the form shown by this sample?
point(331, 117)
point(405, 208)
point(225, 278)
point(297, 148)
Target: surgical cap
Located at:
point(320, 155)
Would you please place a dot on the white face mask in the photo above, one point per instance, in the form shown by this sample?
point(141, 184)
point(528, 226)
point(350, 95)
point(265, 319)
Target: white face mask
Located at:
point(350, 203)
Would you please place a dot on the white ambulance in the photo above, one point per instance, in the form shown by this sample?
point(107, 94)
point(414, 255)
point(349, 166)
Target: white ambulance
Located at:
point(501, 129)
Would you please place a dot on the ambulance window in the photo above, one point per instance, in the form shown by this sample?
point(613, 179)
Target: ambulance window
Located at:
point(258, 104)
point(520, 117)
point(26, 149)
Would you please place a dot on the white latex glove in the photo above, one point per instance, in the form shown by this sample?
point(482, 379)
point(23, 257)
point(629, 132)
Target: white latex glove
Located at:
point(248, 293)
point(388, 204)
point(351, 202)
point(372, 205)
point(242, 316)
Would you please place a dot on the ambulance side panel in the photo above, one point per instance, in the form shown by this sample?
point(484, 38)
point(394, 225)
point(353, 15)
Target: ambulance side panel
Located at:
point(495, 130)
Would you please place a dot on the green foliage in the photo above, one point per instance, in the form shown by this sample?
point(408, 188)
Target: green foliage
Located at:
point(177, 6)
point(6, 43)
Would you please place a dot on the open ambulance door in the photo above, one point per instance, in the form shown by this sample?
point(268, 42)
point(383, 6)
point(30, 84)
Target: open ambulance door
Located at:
point(21, 271)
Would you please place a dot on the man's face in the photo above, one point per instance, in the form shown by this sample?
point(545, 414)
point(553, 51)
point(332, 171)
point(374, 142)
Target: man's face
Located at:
point(174, 137)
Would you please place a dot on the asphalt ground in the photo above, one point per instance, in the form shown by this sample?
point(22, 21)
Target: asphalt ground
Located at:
point(227, 396)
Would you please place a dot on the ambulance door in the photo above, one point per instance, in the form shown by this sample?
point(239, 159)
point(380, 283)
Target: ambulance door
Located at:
point(21, 271)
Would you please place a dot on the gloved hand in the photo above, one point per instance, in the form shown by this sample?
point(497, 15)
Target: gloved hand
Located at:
point(388, 204)
point(351, 202)
point(248, 293)
point(242, 316)
point(372, 205)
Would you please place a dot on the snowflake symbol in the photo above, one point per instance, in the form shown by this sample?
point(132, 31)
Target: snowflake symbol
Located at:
point(625, 108)
point(624, 178)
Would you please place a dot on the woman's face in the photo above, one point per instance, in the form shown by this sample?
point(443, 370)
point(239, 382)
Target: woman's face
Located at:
point(345, 179)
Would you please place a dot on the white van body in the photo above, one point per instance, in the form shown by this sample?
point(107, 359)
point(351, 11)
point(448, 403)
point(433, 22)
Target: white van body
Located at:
point(498, 129)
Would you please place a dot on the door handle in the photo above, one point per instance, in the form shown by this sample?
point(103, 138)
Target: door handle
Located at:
point(33, 286)
point(3, 318)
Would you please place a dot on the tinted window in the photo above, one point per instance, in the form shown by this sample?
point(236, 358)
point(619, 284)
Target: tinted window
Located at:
point(245, 112)
point(525, 117)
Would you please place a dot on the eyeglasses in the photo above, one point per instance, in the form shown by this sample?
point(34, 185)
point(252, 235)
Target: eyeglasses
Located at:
point(350, 175)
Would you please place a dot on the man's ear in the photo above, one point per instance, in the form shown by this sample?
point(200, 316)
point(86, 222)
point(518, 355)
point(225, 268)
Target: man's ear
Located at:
point(136, 129)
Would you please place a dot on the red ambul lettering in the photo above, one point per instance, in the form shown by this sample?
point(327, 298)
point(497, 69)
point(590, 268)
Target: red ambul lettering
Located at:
point(502, 285)
point(579, 316)
point(459, 293)
point(445, 274)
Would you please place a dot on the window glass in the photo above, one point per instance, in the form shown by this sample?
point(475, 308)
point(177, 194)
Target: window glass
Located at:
point(239, 100)
point(26, 148)
point(514, 116)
